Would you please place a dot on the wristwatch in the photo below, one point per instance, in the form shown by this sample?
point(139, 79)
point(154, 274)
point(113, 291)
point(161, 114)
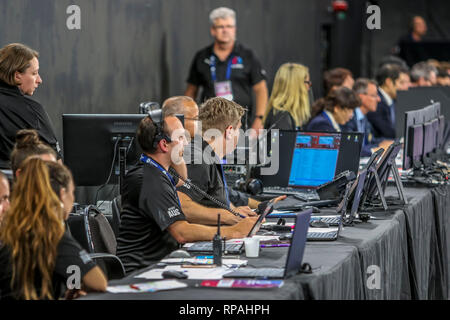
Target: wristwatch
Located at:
point(260, 117)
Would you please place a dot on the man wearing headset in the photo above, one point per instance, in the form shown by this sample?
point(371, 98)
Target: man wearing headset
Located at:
point(153, 223)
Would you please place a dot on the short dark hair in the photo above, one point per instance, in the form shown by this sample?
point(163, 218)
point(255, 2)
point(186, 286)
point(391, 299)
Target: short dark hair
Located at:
point(335, 77)
point(389, 71)
point(342, 97)
point(147, 132)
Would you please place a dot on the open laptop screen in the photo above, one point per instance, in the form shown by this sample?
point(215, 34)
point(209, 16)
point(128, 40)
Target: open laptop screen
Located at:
point(314, 159)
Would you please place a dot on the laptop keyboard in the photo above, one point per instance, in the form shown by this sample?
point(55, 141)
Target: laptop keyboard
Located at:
point(331, 220)
point(322, 236)
point(207, 247)
point(302, 194)
point(256, 273)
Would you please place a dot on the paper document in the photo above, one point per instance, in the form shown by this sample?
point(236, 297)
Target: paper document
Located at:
point(147, 286)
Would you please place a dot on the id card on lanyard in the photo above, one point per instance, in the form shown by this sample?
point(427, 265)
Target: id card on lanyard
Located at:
point(221, 88)
point(148, 160)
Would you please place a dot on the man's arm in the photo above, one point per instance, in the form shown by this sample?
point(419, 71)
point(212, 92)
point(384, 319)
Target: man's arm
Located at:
point(184, 231)
point(197, 213)
point(261, 98)
point(191, 91)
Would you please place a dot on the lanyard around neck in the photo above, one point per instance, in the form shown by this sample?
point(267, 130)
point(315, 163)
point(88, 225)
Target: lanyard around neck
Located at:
point(212, 67)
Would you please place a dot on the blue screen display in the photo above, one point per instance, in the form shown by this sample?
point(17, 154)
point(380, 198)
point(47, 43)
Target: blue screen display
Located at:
point(314, 160)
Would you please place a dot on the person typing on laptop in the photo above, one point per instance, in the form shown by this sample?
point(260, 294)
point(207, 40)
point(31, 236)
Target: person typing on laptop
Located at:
point(221, 122)
point(153, 222)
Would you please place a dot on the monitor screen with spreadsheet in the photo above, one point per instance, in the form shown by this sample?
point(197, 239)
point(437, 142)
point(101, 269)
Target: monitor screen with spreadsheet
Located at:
point(314, 159)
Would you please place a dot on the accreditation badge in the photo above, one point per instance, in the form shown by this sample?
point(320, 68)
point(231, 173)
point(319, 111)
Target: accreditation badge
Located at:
point(223, 89)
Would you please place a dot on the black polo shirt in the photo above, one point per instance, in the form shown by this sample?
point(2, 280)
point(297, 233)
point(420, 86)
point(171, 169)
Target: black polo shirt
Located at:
point(69, 253)
point(246, 71)
point(20, 112)
point(204, 170)
point(149, 206)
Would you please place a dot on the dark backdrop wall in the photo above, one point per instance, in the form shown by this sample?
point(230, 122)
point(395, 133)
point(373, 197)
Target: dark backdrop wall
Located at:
point(129, 51)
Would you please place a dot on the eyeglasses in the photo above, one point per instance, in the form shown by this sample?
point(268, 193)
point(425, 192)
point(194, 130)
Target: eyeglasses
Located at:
point(193, 119)
point(228, 26)
point(308, 82)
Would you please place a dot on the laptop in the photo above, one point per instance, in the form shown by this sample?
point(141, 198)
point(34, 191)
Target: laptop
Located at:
point(229, 248)
point(294, 258)
point(312, 159)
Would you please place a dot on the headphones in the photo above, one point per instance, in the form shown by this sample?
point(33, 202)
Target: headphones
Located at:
point(157, 118)
point(251, 186)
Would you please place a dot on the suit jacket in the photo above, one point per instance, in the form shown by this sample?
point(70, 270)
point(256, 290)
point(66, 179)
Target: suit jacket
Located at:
point(381, 120)
point(320, 123)
point(370, 141)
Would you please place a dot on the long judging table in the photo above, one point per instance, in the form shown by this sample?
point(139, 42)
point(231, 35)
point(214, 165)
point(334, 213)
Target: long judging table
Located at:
point(398, 254)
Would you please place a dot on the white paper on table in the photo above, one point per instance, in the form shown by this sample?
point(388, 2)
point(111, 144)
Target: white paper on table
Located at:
point(121, 289)
point(192, 273)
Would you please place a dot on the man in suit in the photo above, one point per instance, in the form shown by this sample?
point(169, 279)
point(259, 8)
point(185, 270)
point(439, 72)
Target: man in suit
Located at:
point(366, 89)
point(390, 79)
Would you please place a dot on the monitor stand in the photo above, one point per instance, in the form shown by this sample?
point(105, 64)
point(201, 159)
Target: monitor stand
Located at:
point(398, 183)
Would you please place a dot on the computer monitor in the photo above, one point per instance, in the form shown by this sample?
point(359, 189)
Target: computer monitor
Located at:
point(441, 132)
point(92, 143)
point(314, 159)
point(413, 119)
point(429, 137)
point(349, 152)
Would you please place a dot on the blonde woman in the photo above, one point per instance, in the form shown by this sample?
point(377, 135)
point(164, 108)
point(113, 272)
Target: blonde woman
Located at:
point(288, 106)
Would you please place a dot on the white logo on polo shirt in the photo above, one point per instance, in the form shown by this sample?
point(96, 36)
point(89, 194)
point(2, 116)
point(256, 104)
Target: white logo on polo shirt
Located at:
point(173, 212)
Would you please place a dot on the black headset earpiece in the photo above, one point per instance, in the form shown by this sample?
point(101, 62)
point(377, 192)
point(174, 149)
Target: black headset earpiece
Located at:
point(158, 121)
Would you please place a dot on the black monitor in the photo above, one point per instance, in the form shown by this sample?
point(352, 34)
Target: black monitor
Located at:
point(413, 119)
point(441, 132)
point(377, 180)
point(415, 146)
point(92, 143)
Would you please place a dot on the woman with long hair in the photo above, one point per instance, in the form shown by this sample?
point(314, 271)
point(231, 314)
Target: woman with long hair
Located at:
point(289, 105)
point(334, 110)
point(37, 255)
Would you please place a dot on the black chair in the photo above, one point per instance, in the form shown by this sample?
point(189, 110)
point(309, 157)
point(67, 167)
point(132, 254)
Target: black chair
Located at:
point(95, 234)
point(116, 209)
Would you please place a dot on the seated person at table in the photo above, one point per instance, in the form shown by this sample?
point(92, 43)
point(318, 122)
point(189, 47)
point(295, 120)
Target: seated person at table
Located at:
point(221, 122)
point(28, 144)
point(423, 74)
point(186, 106)
point(152, 221)
point(367, 91)
point(289, 105)
point(334, 110)
point(4, 195)
point(36, 251)
point(390, 78)
point(337, 78)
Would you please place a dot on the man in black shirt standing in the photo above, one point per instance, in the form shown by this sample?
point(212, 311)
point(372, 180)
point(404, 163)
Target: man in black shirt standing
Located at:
point(153, 223)
point(227, 69)
point(19, 77)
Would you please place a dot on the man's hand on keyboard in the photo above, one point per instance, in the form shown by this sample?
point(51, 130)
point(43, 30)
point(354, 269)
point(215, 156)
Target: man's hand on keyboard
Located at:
point(245, 211)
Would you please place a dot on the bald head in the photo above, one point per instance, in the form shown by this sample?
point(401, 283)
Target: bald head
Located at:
point(186, 106)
